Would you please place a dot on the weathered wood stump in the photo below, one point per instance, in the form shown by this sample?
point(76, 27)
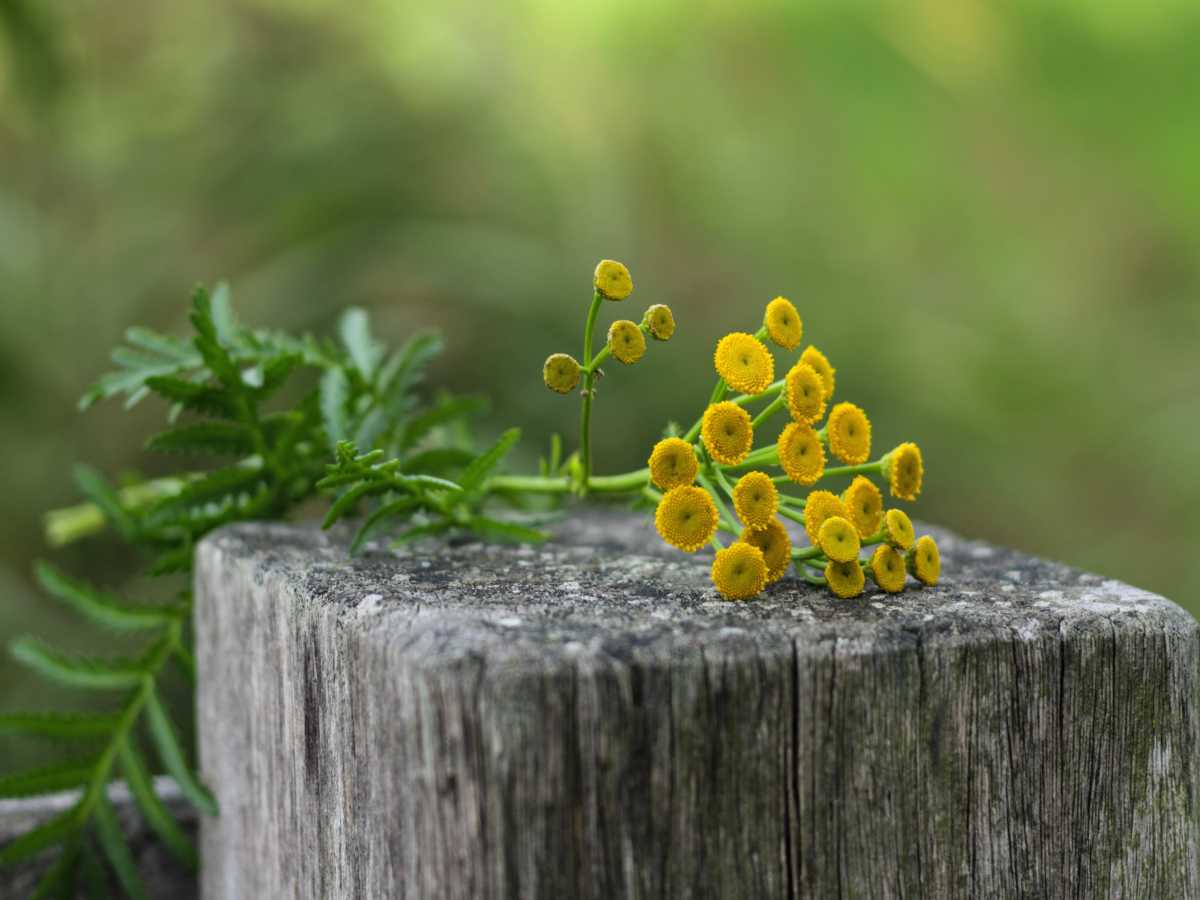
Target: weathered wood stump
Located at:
point(589, 719)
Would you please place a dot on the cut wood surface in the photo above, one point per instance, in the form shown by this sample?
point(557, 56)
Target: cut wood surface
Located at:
point(589, 719)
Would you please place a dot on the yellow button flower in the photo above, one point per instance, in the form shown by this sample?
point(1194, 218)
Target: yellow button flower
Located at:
point(849, 434)
point(613, 280)
point(783, 323)
point(561, 373)
point(776, 546)
point(817, 360)
point(801, 454)
point(727, 433)
point(904, 470)
point(925, 562)
point(887, 568)
point(686, 518)
point(898, 529)
point(846, 579)
point(838, 539)
point(744, 362)
point(673, 463)
point(819, 506)
point(805, 393)
point(739, 571)
point(660, 321)
point(755, 499)
point(626, 341)
point(864, 505)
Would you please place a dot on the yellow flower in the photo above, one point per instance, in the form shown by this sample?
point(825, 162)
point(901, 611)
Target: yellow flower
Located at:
point(846, 579)
point(817, 360)
point(613, 280)
point(686, 518)
point(744, 362)
point(755, 499)
point(739, 571)
point(898, 529)
point(904, 469)
point(805, 393)
point(561, 373)
point(864, 505)
point(839, 539)
point(626, 342)
point(819, 506)
point(726, 432)
point(673, 463)
point(660, 321)
point(783, 323)
point(776, 547)
point(925, 562)
point(801, 454)
point(849, 433)
point(887, 568)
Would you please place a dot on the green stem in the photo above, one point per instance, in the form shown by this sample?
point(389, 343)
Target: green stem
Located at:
point(812, 579)
point(585, 418)
point(726, 519)
point(868, 468)
point(791, 514)
point(558, 484)
point(807, 553)
point(769, 410)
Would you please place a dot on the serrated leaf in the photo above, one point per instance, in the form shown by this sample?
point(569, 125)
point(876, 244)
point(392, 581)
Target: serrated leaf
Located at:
point(453, 408)
point(354, 327)
point(112, 841)
point(334, 391)
point(347, 501)
point(96, 489)
point(224, 320)
point(275, 372)
point(60, 776)
point(34, 841)
point(433, 529)
point(172, 561)
point(200, 398)
point(378, 518)
point(163, 345)
point(71, 726)
point(509, 531)
point(204, 437)
point(404, 369)
point(214, 485)
point(479, 469)
point(76, 671)
point(437, 460)
point(103, 608)
point(141, 785)
point(171, 754)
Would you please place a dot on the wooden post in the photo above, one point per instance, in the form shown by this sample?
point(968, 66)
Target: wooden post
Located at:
point(589, 719)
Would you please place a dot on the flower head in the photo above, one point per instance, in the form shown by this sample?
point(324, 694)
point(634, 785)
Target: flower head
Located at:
point(924, 561)
point(887, 568)
point(864, 505)
point(660, 321)
point(686, 518)
point(613, 280)
point(626, 341)
point(849, 432)
point(561, 373)
point(898, 529)
point(801, 454)
point(839, 539)
point(726, 432)
point(819, 506)
point(744, 362)
point(845, 579)
point(776, 547)
point(805, 393)
point(739, 571)
point(783, 323)
point(673, 463)
point(904, 469)
point(817, 360)
point(755, 499)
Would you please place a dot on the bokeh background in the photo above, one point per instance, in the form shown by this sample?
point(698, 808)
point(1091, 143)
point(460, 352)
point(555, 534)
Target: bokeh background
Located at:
point(987, 213)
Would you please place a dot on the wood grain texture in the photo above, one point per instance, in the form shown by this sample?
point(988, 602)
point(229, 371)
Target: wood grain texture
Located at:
point(589, 719)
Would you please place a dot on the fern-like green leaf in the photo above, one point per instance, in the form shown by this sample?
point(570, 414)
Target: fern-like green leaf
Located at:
point(354, 328)
point(141, 785)
point(200, 398)
point(60, 776)
point(204, 437)
point(446, 411)
point(334, 391)
point(108, 831)
point(378, 517)
point(479, 469)
point(93, 486)
point(74, 671)
point(34, 841)
point(65, 726)
point(506, 531)
point(103, 608)
point(171, 754)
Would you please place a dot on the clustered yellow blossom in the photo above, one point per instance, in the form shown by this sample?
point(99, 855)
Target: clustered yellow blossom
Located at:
point(727, 433)
point(660, 322)
point(864, 505)
point(801, 454)
point(686, 518)
point(626, 342)
point(560, 373)
point(755, 499)
point(805, 393)
point(673, 463)
point(739, 571)
point(776, 546)
point(849, 432)
point(612, 280)
point(744, 362)
point(783, 323)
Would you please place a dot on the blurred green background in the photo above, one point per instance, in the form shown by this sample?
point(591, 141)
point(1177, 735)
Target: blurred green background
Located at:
point(988, 215)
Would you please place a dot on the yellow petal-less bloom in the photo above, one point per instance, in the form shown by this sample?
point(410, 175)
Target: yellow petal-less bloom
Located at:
point(613, 280)
point(817, 360)
point(801, 454)
point(660, 321)
point(904, 470)
point(673, 463)
point(838, 539)
point(744, 362)
point(849, 433)
point(776, 546)
point(819, 506)
point(727, 433)
point(686, 518)
point(864, 505)
point(755, 499)
point(626, 342)
point(846, 579)
point(739, 571)
point(887, 568)
point(805, 393)
point(561, 373)
point(898, 529)
point(783, 323)
point(925, 562)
